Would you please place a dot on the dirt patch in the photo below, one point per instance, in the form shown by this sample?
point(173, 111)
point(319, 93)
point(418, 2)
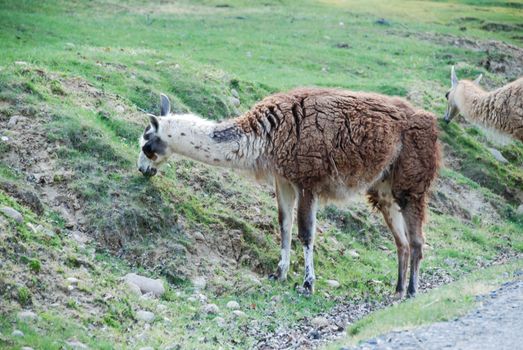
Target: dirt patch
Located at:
point(501, 27)
point(500, 58)
point(451, 198)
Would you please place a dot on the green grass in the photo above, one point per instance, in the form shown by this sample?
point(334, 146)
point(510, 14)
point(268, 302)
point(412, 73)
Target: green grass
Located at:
point(86, 59)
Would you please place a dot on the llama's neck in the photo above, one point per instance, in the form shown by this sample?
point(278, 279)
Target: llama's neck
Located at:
point(474, 104)
point(219, 144)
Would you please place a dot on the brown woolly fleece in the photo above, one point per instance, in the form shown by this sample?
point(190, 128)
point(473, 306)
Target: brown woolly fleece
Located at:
point(501, 109)
point(320, 139)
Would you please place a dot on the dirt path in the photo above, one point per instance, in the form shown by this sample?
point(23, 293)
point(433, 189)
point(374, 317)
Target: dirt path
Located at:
point(496, 324)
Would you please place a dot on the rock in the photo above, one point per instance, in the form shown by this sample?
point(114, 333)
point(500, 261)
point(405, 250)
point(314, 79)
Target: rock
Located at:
point(173, 347)
point(383, 22)
point(146, 285)
point(239, 314)
point(17, 333)
point(146, 348)
point(211, 309)
point(119, 109)
point(14, 120)
point(145, 316)
point(20, 63)
point(72, 280)
point(235, 93)
point(69, 46)
point(319, 322)
point(353, 253)
point(497, 155)
point(234, 101)
point(161, 307)
point(76, 345)
point(26, 348)
point(198, 236)
point(4, 138)
point(26, 315)
point(333, 283)
point(519, 210)
point(233, 305)
point(254, 280)
point(199, 282)
point(220, 321)
point(13, 214)
point(192, 299)
point(140, 63)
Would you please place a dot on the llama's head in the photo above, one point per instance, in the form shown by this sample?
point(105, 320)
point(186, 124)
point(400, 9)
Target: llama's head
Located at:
point(153, 142)
point(452, 95)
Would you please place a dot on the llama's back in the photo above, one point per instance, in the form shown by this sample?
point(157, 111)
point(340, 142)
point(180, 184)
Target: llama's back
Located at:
point(503, 109)
point(321, 138)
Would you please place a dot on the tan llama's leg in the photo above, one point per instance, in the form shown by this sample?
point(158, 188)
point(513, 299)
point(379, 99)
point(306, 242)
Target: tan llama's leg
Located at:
point(286, 196)
point(307, 207)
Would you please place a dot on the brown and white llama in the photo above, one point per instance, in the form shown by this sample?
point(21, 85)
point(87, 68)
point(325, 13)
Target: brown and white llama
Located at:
point(318, 144)
point(500, 110)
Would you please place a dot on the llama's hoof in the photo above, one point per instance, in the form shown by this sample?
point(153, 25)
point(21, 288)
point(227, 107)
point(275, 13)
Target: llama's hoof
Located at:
point(411, 294)
point(277, 276)
point(398, 295)
point(306, 290)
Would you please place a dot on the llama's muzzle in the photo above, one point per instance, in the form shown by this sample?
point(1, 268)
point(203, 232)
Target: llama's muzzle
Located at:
point(147, 171)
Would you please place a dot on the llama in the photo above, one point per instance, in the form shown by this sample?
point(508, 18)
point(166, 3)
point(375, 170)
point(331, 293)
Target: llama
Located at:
point(318, 145)
point(500, 110)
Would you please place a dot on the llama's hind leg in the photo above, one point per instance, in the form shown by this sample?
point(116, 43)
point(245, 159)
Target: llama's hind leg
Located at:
point(286, 196)
point(383, 200)
point(307, 207)
point(414, 213)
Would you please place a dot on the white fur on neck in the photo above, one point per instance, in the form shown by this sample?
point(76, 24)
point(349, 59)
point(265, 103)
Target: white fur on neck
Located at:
point(192, 136)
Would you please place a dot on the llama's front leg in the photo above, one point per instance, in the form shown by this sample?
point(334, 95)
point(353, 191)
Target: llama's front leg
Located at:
point(307, 206)
point(286, 196)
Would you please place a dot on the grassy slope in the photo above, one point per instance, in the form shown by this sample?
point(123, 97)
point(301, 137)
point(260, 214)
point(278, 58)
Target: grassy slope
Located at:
point(197, 53)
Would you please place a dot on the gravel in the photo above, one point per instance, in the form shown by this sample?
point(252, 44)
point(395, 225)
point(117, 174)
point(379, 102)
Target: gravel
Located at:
point(495, 325)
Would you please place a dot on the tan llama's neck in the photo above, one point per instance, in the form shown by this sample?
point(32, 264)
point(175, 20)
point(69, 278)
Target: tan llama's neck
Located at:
point(219, 144)
point(468, 96)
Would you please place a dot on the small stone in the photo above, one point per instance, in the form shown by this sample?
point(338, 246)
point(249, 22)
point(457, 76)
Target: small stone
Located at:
point(220, 321)
point(333, 283)
point(13, 214)
point(211, 309)
point(17, 333)
point(519, 210)
point(69, 46)
point(146, 285)
point(145, 316)
point(140, 63)
point(383, 22)
point(20, 63)
point(76, 345)
point(497, 155)
point(254, 280)
point(198, 236)
point(192, 299)
point(353, 253)
point(72, 280)
point(146, 348)
point(161, 307)
point(26, 348)
point(319, 322)
point(233, 305)
point(159, 62)
point(235, 93)
point(239, 314)
point(13, 121)
point(199, 282)
point(5, 138)
point(234, 101)
point(119, 109)
point(26, 315)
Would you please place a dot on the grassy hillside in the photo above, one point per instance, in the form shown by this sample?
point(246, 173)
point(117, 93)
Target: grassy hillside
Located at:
point(76, 81)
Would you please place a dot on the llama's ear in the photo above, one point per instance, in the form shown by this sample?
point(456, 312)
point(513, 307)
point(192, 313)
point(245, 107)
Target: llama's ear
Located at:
point(478, 79)
point(453, 77)
point(165, 105)
point(154, 122)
